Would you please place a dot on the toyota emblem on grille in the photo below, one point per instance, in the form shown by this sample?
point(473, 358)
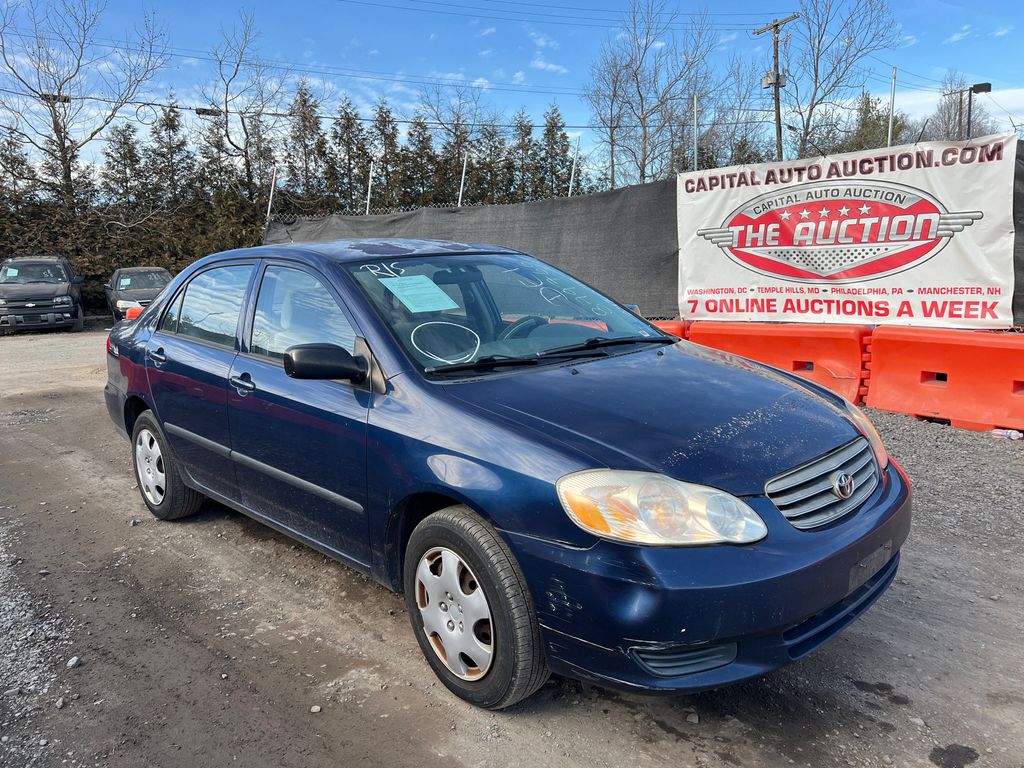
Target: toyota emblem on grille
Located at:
point(843, 485)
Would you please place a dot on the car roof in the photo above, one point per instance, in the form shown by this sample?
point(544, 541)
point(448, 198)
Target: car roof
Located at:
point(44, 259)
point(141, 269)
point(388, 248)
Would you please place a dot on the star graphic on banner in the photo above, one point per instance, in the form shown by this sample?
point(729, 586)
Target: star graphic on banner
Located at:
point(823, 213)
point(864, 209)
point(804, 213)
point(844, 211)
point(785, 215)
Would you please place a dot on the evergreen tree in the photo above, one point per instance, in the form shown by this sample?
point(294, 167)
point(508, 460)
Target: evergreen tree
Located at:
point(350, 158)
point(387, 166)
point(121, 178)
point(305, 147)
point(526, 161)
point(493, 173)
point(419, 164)
point(555, 157)
point(169, 163)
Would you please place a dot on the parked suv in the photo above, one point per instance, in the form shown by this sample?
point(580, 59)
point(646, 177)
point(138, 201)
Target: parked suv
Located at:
point(40, 292)
point(553, 482)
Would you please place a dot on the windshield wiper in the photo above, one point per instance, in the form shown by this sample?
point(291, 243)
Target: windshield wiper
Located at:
point(490, 361)
point(604, 341)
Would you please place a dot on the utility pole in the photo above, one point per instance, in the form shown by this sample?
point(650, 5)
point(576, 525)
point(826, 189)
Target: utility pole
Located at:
point(575, 158)
point(695, 163)
point(776, 78)
point(892, 106)
point(369, 187)
point(462, 181)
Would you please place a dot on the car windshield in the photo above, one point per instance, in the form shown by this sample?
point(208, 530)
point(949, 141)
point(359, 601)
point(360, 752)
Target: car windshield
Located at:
point(29, 272)
point(130, 281)
point(451, 311)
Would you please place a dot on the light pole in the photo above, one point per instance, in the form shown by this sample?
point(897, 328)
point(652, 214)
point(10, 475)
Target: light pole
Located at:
point(976, 88)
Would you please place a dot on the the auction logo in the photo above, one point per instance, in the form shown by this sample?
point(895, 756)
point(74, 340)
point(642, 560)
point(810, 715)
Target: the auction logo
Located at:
point(838, 231)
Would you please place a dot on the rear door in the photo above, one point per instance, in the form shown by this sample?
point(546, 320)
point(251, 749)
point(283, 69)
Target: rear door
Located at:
point(188, 361)
point(300, 446)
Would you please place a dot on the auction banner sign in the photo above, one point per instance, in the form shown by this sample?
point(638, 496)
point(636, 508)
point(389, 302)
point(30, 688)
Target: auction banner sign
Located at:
point(912, 235)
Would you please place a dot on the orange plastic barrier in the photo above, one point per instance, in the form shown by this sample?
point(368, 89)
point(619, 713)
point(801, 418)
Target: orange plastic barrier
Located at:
point(675, 327)
point(831, 355)
point(973, 379)
point(132, 312)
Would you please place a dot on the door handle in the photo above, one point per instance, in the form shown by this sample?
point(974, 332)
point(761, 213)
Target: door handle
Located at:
point(157, 355)
point(242, 383)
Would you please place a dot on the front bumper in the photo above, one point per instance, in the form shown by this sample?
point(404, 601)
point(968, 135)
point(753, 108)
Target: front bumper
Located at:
point(687, 619)
point(27, 319)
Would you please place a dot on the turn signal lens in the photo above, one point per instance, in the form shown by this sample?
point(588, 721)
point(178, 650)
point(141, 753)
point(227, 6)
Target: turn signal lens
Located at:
point(647, 508)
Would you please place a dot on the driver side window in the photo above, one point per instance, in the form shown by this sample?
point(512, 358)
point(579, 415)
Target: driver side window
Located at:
point(293, 307)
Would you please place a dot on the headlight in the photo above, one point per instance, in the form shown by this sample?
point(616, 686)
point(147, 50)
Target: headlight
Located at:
point(123, 304)
point(647, 508)
point(3, 302)
point(62, 300)
point(863, 423)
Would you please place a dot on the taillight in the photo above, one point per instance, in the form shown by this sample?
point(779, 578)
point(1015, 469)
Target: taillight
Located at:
point(112, 348)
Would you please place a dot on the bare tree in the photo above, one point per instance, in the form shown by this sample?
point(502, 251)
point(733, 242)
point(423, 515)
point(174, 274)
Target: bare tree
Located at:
point(61, 86)
point(606, 96)
point(949, 120)
point(824, 60)
point(658, 62)
point(249, 100)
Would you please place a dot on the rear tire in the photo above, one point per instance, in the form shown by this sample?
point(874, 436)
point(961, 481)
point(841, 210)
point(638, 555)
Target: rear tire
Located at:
point(156, 471)
point(458, 568)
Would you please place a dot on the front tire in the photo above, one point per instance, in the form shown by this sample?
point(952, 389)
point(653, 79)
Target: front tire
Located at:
point(156, 471)
point(471, 611)
point(79, 324)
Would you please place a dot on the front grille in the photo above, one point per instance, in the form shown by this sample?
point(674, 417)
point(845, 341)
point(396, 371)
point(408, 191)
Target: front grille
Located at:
point(38, 304)
point(806, 495)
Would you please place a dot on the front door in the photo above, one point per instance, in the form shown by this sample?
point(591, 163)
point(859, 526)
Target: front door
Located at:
point(299, 446)
point(188, 360)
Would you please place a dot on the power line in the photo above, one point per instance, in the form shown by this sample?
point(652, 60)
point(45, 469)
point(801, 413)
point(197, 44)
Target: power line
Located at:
point(478, 15)
point(758, 14)
point(360, 118)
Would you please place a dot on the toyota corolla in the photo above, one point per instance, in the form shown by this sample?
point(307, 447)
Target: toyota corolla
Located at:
point(555, 484)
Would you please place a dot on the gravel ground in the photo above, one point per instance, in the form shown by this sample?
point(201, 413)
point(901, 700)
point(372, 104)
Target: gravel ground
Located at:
point(210, 641)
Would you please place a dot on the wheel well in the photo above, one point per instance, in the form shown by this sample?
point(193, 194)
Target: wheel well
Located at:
point(409, 513)
point(133, 407)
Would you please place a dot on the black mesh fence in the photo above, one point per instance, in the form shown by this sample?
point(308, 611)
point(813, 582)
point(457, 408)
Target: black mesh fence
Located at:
point(622, 242)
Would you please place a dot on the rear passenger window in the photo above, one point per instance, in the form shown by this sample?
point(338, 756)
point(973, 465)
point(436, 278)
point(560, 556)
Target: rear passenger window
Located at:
point(212, 303)
point(296, 308)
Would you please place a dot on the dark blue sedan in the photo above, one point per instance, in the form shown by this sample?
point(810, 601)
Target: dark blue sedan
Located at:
point(555, 484)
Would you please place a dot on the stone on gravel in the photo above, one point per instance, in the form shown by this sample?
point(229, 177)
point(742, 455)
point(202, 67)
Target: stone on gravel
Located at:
point(315, 708)
point(73, 662)
point(60, 703)
point(693, 717)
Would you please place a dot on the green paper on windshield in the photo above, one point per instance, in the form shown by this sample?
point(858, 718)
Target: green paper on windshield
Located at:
point(419, 293)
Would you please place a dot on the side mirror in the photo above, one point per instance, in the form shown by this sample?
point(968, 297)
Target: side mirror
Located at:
point(634, 309)
point(324, 361)
point(106, 286)
point(78, 279)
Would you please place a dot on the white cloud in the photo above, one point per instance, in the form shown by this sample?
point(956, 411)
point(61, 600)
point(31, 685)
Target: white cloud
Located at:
point(956, 37)
point(1002, 31)
point(519, 77)
point(908, 40)
point(547, 66)
point(433, 36)
point(481, 82)
point(724, 39)
point(658, 45)
point(484, 53)
point(486, 32)
point(374, 52)
point(543, 41)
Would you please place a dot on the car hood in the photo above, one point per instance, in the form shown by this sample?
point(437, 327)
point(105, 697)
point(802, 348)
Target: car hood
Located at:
point(33, 290)
point(694, 414)
point(136, 294)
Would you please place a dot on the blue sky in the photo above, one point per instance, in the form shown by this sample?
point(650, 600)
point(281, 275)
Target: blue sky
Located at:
point(530, 53)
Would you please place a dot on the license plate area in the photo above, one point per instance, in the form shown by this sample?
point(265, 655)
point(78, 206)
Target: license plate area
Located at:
point(869, 566)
